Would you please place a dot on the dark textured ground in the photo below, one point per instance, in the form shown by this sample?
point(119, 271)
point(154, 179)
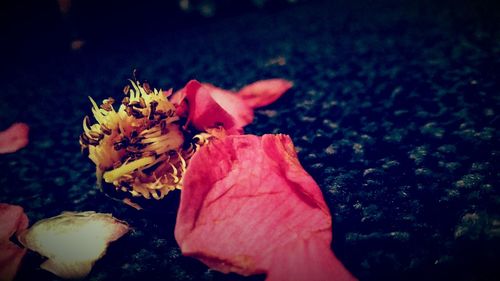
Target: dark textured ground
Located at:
point(394, 112)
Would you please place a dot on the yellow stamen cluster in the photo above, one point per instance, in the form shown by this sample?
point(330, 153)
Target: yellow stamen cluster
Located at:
point(139, 148)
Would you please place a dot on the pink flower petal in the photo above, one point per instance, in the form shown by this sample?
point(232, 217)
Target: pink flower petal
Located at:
point(264, 92)
point(14, 138)
point(12, 220)
point(232, 104)
point(249, 207)
point(208, 106)
point(211, 107)
point(179, 100)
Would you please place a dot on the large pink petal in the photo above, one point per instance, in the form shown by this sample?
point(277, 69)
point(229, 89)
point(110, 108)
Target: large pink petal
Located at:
point(248, 207)
point(264, 92)
point(12, 220)
point(14, 138)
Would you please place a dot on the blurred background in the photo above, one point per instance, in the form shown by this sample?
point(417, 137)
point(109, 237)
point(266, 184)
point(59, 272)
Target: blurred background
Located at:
point(32, 29)
point(394, 111)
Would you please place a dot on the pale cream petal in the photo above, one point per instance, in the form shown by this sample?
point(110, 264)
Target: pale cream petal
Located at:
point(72, 241)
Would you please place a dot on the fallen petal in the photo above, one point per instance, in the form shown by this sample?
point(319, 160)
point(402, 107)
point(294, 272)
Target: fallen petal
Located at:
point(73, 242)
point(232, 104)
point(211, 107)
point(249, 207)
point(12, 220)
point(10, 260)
point(315, 254)
point(14, 138)
point(179, 101)
point(204, 112)
point(264, 92)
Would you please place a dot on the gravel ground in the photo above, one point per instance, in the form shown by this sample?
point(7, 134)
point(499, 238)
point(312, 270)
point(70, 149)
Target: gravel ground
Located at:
point(394, 113)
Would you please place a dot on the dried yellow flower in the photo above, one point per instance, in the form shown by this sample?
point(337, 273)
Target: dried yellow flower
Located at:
point(139, 148)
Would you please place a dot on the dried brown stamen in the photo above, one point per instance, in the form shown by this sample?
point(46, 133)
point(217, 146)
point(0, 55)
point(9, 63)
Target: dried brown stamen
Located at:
point(147, 88)
point(153, 106)
point(126, 89)
point(105, 129)
point(126, 101)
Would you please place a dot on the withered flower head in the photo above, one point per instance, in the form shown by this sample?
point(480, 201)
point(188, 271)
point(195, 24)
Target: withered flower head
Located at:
point(139, 148)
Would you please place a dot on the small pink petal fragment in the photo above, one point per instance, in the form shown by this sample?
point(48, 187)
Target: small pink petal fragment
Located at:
point(12, 220)
point(14, 138)
point(264, 92)
point(73, 242)
point(249, 207)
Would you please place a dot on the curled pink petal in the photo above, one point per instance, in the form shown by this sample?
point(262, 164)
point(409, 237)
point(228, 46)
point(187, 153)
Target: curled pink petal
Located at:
point(14, 138)
point(208, 106)
point(211, 107)
point(248, 207)
point(232, 104)
point(178, 99)
point(12, 220)
point(264, 92)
